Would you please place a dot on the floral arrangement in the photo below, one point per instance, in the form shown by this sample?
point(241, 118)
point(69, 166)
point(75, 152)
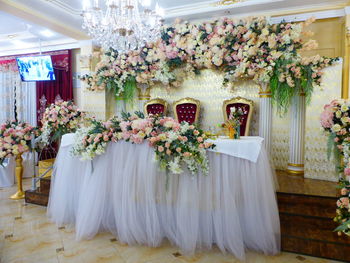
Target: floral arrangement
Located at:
point(175, 144)
point(335, 120)
point(234, 121)
point(92, 140)
point(15, 138)
point(59, 118)
point(244, 48)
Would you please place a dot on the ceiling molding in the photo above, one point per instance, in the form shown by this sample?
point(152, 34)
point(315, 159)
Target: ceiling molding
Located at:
point(208, 11)
point(67, 8)
point(210, 6)
point(47, 46)
point(36, 17)
point(305, 16)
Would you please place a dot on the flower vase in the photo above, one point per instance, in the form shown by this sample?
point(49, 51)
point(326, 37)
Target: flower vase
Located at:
point(231, 133)
point(238, 132)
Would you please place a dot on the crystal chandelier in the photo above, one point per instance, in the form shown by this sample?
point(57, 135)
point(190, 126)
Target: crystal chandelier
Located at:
point(123, 24)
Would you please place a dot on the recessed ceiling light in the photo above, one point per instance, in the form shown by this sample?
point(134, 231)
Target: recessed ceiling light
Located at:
point(12, 36)
point(47, 33)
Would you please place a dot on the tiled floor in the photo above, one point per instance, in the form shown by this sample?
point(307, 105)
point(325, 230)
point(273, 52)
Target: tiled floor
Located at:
point(27, 236)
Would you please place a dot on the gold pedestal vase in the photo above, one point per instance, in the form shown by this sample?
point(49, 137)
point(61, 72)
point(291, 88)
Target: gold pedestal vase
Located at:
point(19, 176)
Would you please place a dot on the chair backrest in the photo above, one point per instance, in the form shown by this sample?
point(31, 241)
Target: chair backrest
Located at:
point(187, 109)
point(247, 107)
point(156, 106)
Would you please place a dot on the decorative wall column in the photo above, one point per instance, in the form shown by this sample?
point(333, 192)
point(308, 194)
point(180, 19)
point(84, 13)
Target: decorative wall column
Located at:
point(265, 116)
point(297, 135)
point(144, 95)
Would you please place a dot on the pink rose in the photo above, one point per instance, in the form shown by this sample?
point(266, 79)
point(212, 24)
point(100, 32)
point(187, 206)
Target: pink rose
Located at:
point(178, 149)
point(168, 152)
point(97, 139)
point(200, 139)
point(345, 201)
point(196, 132)
point(187, 154)
point(347, 171)
point(106, 138)
point(201, 145)
point(160, 149)
point(344, 191)
point(167, 145)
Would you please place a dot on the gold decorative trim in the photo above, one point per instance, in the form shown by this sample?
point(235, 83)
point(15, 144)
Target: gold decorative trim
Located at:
point(265, 96)
point(292, 172)
point(144, 98)
point(187, 100)
point(295, 165)
point(243, 101)
point(156, 101)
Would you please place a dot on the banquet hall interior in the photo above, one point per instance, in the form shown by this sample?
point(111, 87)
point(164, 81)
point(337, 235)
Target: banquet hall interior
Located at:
point(160, 131)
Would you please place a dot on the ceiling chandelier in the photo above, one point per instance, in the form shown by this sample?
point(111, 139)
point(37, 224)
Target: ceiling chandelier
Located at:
point(122, 24)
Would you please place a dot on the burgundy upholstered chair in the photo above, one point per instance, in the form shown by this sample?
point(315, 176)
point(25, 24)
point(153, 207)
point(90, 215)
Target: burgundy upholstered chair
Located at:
point(156, 107)
point(247, 107)
point(187, 109)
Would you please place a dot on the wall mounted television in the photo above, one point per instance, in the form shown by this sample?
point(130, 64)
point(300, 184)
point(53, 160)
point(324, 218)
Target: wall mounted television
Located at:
point(35, 68)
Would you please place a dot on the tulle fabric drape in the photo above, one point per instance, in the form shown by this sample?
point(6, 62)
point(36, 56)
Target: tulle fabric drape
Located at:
point(124, 192)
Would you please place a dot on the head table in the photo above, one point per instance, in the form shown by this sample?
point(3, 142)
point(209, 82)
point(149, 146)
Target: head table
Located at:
point(124, 191)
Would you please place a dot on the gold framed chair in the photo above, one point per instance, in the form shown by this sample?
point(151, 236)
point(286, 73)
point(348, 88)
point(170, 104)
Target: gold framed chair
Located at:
point(187, 109)
point(246, 105)
point(156, 106)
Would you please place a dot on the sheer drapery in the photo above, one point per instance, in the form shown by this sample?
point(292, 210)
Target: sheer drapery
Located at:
point(11, 88)
point(8, 79)
point(233, 207)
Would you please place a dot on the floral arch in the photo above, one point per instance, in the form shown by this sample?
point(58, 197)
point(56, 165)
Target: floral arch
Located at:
point(251, 48)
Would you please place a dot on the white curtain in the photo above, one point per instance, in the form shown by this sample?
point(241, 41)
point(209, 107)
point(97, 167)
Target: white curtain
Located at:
point(26, 102)
point(10, 83)
point(7, 82)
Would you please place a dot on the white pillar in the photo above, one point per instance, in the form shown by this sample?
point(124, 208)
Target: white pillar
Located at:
point(120, 106)
point(143, 96)
point(297, 134)
point(265, 116)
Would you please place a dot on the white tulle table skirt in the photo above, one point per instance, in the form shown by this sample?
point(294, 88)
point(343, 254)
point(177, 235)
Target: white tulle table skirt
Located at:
point(123, 191)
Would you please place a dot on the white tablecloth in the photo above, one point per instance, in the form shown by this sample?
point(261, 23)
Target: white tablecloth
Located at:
point(123, 191)
point(7, 172)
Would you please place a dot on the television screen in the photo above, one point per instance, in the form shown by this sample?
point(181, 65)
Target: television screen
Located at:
point(36, 68)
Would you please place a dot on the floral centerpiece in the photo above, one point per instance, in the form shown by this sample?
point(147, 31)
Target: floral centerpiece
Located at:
point(175, 144)
point(234, 122)
point(59, 118)
point(335, 119)
point(15, 139)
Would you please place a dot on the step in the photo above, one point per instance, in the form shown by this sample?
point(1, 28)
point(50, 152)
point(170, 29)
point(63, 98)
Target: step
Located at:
point(36, 197)
point(307, 205)
point(45, 185)
point(307, 226)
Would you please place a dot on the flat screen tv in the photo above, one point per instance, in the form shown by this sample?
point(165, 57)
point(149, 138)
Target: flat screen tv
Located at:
point(36, 68)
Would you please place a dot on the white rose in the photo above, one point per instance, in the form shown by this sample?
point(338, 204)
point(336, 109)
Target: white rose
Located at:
point(344, 108)
point(336, 128)
point(338, 114)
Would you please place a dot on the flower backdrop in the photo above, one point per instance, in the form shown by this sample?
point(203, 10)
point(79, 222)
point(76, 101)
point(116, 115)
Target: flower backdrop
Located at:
point(335, 119)
point(245, 48)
